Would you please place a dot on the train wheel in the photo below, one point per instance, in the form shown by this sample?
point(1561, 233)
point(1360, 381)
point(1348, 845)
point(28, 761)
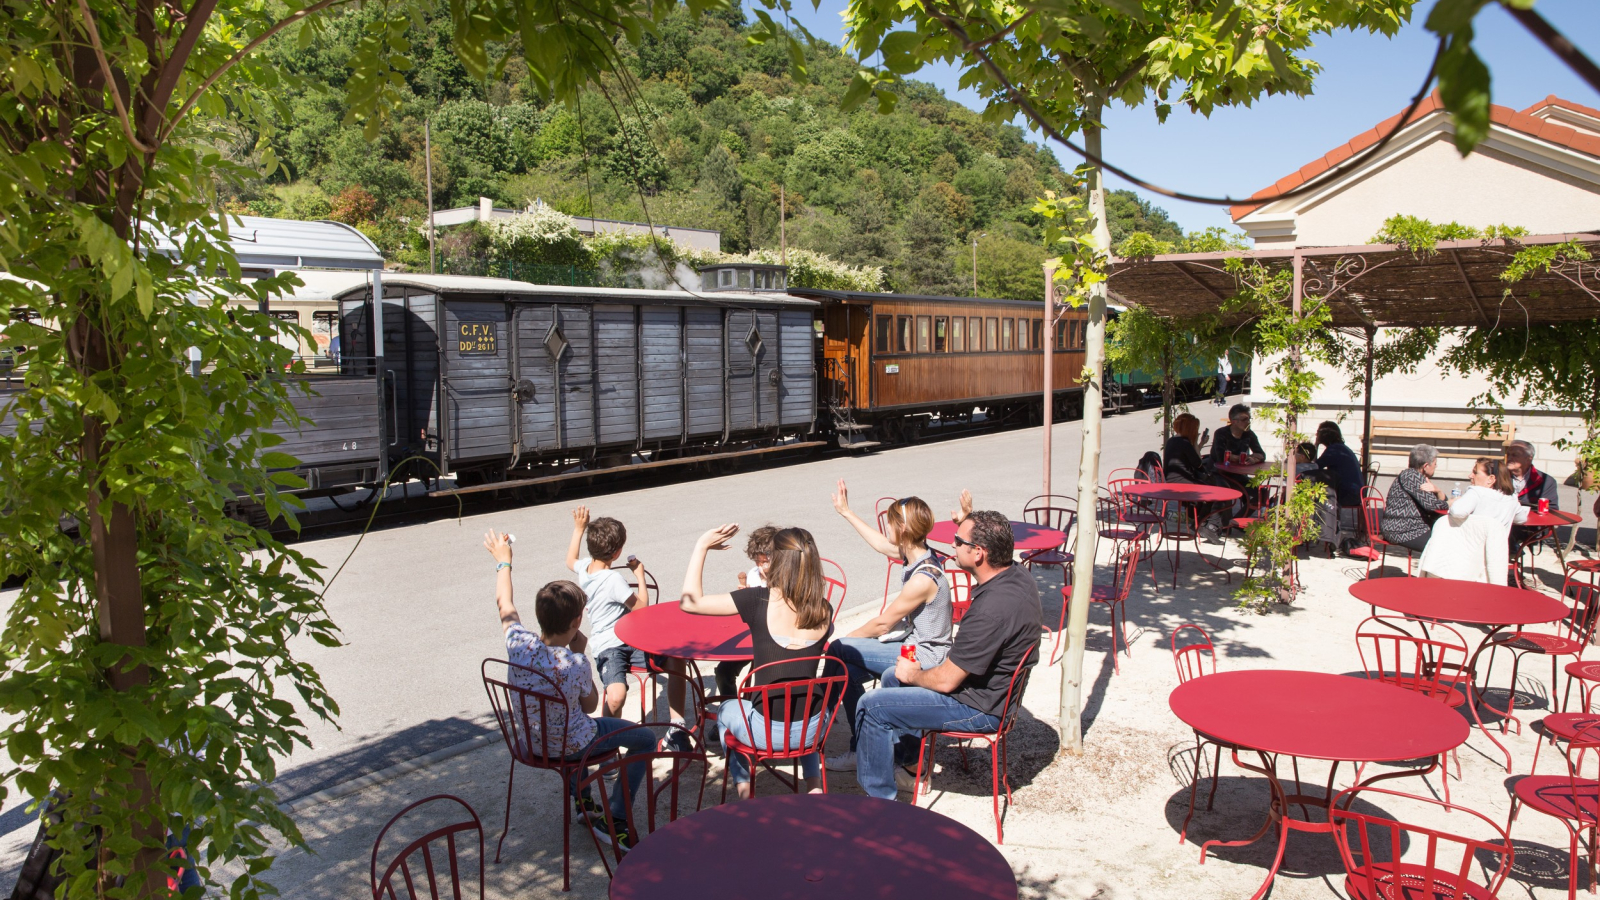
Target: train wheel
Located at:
point(893, 431)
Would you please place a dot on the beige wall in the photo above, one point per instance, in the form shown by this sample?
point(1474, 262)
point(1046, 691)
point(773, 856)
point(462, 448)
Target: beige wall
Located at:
point(1511, 180)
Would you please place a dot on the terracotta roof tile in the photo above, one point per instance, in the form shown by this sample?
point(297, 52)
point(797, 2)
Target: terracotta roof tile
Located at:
point(1520, 121)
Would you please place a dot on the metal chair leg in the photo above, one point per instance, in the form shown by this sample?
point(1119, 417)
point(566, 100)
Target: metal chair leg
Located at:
point(510, 779)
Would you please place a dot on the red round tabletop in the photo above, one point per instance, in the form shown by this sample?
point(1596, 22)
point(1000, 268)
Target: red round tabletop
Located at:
point(1315, 715)
point(1241, 468)
point(1552, 519)
point(1025, 535)
point(833, 846)
point(666, 630)
point(1182, 493)
point(1467, 602)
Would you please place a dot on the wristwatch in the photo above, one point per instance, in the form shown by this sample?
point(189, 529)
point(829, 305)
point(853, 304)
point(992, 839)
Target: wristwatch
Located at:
point(499, 566)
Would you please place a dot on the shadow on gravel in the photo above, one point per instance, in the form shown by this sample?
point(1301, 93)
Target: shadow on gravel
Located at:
point(376, 754)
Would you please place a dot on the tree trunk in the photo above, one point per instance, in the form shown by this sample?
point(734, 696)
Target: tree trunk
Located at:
point(1071, 726)
point(1167, 391)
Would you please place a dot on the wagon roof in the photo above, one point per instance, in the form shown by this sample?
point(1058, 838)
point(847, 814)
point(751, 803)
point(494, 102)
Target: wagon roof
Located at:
point(476, 284)
point(860, 296)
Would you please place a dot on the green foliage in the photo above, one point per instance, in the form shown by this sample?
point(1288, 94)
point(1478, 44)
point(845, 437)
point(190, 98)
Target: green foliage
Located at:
point(148, 679)
point(1421, 236)
point(1140, 339)
point(1279, 335)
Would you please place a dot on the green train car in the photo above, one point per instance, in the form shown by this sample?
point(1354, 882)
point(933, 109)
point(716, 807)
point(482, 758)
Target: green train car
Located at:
point(1141, 388)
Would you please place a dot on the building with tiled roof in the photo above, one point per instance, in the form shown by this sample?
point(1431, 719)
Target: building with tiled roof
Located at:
point(1538, 168)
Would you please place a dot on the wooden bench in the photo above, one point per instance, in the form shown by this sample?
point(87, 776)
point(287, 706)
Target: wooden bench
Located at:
point(1393, 431)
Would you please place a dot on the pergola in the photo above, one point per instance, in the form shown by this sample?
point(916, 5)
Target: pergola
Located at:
point(1456, 284)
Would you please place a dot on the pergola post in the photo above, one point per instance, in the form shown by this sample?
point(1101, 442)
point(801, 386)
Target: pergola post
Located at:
point(1049, 366)
point(1366, 408)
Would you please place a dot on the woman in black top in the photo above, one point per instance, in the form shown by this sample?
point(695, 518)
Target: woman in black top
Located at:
point(1181, 462)
point(789, 620)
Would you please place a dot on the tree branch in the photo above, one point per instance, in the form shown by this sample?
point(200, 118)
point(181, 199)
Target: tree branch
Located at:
point(246, 50)
point(111, 81)
point(1556, 43)
point(1003, 33)
point(172, 69)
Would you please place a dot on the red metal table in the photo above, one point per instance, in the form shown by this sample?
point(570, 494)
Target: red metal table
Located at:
point(1468, 603)
point(822, 846)
point(1172, 492)
point(1313, 715)
point(666, 630)
point(1025, 535)
point(1555, 518)
point(1242, 469)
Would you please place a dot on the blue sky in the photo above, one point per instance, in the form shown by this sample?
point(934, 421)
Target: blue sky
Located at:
point(1365, 79)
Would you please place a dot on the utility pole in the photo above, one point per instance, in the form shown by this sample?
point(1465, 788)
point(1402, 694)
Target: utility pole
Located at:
point(427, 166)
point(783, 234)
point(975, 277)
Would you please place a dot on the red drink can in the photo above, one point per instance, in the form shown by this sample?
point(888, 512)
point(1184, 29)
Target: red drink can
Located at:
point(1544, 505)
point(1227, 457)
point(908, 650)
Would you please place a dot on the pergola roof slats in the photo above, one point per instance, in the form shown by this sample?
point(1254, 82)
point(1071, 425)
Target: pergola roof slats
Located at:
point(1384, 284)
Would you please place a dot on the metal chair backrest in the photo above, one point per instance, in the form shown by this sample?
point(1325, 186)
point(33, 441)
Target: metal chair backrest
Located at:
point(1372, 506)
point(427, 870)
point(1015, 692)
point(661, 783)
point(1191, 658)
point(532, 715)
point(834, 585)
point(652, 591)
point(1127, 569)
point(1584, 608)
point(1127, 473)
point(1442, 864)
point(1052, 511)
point(775, 704)
point(1425, 665)
point(961, 584)
point(881, 509)
point(1128, 504)
point(1582, 791)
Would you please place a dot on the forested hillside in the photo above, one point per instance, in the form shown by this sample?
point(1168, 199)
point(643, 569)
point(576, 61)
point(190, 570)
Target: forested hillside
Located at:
point(703, 135)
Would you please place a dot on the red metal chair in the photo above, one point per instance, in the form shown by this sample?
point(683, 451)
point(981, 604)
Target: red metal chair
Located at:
point(1434, 665)
point(525, 716)
point(1113, 596)
point(655, 788)
point(1372, 847)
point(1572, 637)
point(961, 585)
point(1271, 495)
point(1194, 660)
point(1110, 512)
point(1570, 798)
point(644, 677)
point(772, 702)
point(438, 871)
point(1057, 512)
point(882, 511)
point(999, 762)
point(1372, 506)
point(834, 585)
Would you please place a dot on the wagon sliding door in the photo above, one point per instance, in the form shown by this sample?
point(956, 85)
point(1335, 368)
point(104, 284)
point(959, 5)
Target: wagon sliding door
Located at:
point(705, 367)
point(534, 386)
point(477, 383)
point(744, 347)
point(661, 379)
point(617, 373)
point(798, 359)
point(577, 377)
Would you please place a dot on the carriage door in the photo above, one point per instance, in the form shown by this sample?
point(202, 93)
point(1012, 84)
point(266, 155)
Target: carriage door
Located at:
point(842, 333)
point(745, 346)
point(662, 371)
point(534, 386)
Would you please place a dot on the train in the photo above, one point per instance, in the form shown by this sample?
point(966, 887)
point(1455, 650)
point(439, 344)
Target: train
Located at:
point(471, 384)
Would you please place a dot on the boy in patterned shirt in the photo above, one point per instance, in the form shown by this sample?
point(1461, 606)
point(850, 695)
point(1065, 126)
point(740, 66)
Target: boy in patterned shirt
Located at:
point(557, 653)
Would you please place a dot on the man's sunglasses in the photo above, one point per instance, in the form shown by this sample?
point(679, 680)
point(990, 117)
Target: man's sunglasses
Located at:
point(960, 541)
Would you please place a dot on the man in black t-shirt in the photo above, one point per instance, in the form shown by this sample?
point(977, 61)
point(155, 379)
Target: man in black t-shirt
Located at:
point(1237, 439)
point(966, 692)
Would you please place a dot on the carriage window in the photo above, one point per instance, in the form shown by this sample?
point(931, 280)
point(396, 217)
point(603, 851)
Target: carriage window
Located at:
point(941, 334)
point(1061, 336)
point(324, 325)
point(881, 335)
point(727, 277)
point(1005, 333)
point(958, 335)
point(1038, 334)
point(1022, 334)
point(1072, 335)
point(903, 344)
point(974, 335)
point(924, 334)
point(991, 334)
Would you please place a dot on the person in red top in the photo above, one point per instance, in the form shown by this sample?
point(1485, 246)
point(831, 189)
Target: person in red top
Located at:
point(1531, 486)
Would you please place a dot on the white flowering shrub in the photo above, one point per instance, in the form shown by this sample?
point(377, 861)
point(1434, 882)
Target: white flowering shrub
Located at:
point(541, 236)
point(807, 268)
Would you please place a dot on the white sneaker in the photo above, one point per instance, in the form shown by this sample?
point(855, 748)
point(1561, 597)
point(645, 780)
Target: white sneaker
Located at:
point(906, 780)
point(844, 762)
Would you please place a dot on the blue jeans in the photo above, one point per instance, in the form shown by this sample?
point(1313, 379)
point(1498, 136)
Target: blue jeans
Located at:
point(866, 659)
point(731, 721)
point(889, 723)
point(607, 737)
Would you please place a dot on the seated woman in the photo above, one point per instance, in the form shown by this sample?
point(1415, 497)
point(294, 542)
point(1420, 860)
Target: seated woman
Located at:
point(1341, 462)
point(1413, 502)
point(1469, 544)
point(790, 619)
point(1180, 459)
point(921, 613)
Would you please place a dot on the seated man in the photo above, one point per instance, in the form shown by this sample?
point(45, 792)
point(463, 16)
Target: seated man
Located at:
point(966, 692)
point(1237, 438)
point(1531, 486)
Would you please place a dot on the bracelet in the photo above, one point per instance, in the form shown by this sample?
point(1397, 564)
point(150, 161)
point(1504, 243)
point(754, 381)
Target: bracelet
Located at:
point(500, 566)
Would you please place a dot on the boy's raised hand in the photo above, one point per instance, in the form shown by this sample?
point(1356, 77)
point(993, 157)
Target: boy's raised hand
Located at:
point(498, 545)
point(580, 518)
point(717, 538)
